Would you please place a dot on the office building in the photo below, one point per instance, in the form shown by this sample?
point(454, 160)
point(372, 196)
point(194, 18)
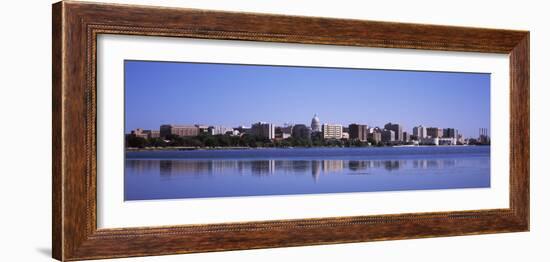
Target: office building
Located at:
point(179, 130)
point(376, 137)
point(219, 130)
point(331, 131)
point(450, 133)
point(388, 135)
point(263, 129)
point(359, 132)
point(406, 137)
point(419, 132)
point(138, 132)
point(434, 132)
point(397, 130)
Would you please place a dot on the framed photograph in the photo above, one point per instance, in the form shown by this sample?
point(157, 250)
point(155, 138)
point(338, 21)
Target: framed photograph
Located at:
point(182, 130)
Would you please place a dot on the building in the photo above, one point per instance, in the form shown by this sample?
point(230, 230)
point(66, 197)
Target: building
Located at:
point(388, 135)
point(301, 132)
point(406, 137)
point(450, 133)
point(434, 132)
point(397, 130)
point(283, 132)
point(331, 131)
point(203, 128)
point(138, 132)
point(420, 132)
point(359, 132)
point(262, 129)
point(345, 135)
point(243, 129)
point(376, 137)
point(431, 141)
point(447, 141)
point(219, 130)
point(315, 124)
point(154, 134)
point(179, 130)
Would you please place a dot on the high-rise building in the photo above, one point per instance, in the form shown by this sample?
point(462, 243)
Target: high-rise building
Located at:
point(420, 132)
point(388, 135)
point(359, 132)
point(331, 131)
point(434, 132)
point(301, 132)
point(315, 124)
point(263, 129)
point(405, 137)
point(179, 130)
point(397, 129)
point(450, 133)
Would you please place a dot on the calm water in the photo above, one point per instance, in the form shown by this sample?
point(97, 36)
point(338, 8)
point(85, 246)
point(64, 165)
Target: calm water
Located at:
point(254, 172)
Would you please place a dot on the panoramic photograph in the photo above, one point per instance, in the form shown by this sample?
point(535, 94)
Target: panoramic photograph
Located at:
point(204, 130)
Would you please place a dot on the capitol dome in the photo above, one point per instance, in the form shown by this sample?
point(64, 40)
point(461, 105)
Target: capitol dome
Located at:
point(315, 124)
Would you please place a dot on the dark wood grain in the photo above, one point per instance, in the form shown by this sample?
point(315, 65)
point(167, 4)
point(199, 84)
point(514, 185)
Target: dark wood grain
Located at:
point(76, 26)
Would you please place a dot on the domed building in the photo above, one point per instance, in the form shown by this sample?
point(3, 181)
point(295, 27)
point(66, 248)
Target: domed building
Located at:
point(315, 124)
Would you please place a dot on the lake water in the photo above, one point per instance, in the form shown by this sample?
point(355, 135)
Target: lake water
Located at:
point(255, 172)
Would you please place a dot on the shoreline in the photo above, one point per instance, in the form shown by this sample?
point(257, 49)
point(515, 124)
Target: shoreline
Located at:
point(180, 148)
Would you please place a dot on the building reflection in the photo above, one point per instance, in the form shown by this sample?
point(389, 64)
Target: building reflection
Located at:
point(316, 168)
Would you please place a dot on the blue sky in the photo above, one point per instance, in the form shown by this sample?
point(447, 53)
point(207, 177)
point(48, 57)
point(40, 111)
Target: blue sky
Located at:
point(231, 95)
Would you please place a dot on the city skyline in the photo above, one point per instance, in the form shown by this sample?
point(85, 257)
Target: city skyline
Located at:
point(159, 93)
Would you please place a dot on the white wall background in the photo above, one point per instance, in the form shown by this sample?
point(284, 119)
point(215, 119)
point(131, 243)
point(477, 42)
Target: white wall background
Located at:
point(25, 123)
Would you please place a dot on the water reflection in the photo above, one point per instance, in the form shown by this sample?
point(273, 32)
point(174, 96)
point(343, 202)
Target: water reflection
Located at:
point(260, 168)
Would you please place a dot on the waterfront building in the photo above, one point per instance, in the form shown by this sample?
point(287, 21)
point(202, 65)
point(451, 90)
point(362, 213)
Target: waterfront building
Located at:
point(397, 130)
point(138, 132)
point(219, 130)
point(359, 132)
point(154, 133)
point(243, 129)
point(388, 135)
point(202, 129)
point(420, 132)
point(450, 133)
point(434, 132)
point(315, 124)
point(179, 130)
point(263, 129)
point(447, 141)
point(375, 136)
point(282, 133)
point(301, 132)
point(460, 139)
point(331, 131)
point(405, 137)
point(430, 141)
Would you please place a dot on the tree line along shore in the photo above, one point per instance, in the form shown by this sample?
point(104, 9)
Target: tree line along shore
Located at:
point(245, 141)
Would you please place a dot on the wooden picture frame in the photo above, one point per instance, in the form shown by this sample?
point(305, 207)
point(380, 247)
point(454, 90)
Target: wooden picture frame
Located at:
point(76, 26)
